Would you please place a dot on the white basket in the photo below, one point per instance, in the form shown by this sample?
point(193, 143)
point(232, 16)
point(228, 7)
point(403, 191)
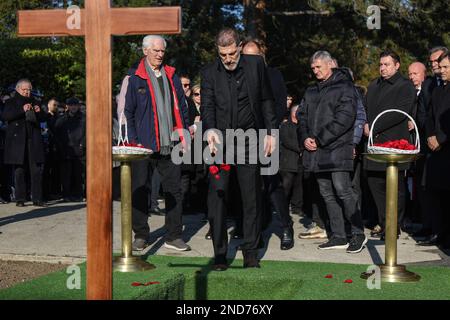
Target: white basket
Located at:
point(122, 149)
point(383, 150)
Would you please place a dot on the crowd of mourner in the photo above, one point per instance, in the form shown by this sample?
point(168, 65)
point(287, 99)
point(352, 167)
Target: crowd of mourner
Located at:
point(323, 176)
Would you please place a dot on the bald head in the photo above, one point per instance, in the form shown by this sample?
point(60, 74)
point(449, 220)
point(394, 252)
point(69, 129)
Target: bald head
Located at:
point(417, 73)
point(251, 48)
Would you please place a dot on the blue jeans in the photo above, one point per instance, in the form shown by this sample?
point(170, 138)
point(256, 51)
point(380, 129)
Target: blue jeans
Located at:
point(338, 194)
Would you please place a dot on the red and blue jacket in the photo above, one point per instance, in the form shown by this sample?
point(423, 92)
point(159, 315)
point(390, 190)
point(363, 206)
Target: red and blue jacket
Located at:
point(140, 107)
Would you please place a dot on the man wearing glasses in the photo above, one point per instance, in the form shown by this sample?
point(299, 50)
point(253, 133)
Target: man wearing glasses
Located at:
point(186, 83)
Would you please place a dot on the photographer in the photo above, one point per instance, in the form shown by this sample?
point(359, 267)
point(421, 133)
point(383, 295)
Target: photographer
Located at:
point(24, 147)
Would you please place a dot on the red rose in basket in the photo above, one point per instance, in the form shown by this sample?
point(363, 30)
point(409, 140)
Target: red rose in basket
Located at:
point(401, 144)
point(132, 144)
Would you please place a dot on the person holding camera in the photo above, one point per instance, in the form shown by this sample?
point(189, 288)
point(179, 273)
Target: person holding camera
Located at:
point(24, 148)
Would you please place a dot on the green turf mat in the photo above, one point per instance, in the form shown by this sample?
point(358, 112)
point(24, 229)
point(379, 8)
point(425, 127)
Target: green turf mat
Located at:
point(192, 278)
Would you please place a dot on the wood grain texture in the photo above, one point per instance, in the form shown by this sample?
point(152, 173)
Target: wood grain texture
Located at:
point(157, 20)
point(35, 23)
point(97, 23)
point(99, 150)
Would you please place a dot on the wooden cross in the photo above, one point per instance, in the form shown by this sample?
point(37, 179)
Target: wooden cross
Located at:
point(98, 23)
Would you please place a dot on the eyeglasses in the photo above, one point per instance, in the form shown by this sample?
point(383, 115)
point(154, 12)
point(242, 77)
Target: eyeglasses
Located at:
point(196, 94)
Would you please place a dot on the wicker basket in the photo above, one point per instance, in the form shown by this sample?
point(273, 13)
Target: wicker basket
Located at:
point(121, 148)
point(383, 150)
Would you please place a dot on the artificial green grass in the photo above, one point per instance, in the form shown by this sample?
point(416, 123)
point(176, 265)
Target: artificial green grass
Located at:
point(192, 279)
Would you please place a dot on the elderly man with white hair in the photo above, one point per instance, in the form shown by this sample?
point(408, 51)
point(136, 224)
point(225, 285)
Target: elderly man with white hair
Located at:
point(154, 108)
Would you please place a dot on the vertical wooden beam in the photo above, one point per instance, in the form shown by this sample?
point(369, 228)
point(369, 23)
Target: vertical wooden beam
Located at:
point(99, 154)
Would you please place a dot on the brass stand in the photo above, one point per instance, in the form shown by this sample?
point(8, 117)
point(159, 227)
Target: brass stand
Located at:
point(127, 262)
point(390, 271)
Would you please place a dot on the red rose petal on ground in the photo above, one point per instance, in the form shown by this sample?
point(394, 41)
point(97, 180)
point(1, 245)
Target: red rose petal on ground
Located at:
point(329, 276)
point(137, 284)
point(348, 281)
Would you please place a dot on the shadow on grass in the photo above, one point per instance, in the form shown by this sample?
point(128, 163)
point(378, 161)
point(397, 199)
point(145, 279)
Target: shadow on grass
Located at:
point(39, 213)
point(201, 275)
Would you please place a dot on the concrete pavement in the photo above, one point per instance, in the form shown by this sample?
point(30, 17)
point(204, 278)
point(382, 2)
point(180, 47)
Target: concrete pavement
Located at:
point(58, 234)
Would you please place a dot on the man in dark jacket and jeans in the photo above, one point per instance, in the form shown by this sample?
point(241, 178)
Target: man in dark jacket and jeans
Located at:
point(327, 125)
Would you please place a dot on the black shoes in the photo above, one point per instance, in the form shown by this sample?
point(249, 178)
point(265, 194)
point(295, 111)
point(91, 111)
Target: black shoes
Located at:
point(357, 243)
point(157, 211)
point(20, 204)
point(334, 243)
point(422, 233)
point(237, 233)
point(432, 240)
point(208, 234)
point(251, 259)
point(220, 263)
point(41, 204)
point(287, 239)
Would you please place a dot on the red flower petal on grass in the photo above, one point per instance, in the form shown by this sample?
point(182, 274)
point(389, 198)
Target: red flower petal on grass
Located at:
point(213, 170)
point(137, 284)
point(348, 281)
point(329, 276)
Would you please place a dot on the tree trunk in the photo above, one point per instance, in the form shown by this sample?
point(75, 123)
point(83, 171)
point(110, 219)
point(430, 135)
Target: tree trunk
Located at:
point(254, 18)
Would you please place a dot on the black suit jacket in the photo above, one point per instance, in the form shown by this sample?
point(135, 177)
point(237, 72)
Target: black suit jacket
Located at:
point(396, 92)
point(19, 130)
point(216, 103)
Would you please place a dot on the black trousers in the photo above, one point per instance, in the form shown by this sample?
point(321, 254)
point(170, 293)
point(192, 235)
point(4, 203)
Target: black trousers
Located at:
point(377, 185)
point(51, 177)
point(71, 173)
point(20, 173)
point(293, 188)
point(250, 184)
point(170, 178)
point(5, 178)
point(275, 197)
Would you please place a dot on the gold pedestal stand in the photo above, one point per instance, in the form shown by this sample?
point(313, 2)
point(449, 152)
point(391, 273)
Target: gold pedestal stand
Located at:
point(127, 262)
point(390, 271)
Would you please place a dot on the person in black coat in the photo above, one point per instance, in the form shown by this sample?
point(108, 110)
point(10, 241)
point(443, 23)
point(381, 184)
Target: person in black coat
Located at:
point(437, 168)
point(71, 136)
point(390, 91)
point(291, 166)
point(327, 120)
point(24, 147)
point(274, 195)
point(236, 94)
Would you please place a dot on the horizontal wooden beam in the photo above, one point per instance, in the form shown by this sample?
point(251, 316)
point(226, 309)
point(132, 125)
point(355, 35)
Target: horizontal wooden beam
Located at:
point(45, 23)
point(156, 20)
point(124, 21)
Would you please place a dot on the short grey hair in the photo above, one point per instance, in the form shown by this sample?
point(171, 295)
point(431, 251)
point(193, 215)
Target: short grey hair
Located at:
point(226, 37)
point(438, 48)
point(148, 40)
point(22, 81)
point(321, 55)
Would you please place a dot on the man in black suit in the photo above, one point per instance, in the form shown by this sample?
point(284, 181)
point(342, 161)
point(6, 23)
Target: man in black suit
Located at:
point(24, 147)
point(236, 94)
point(423, 114)
point(274, 195)
point(390, 91)
point(437, 165)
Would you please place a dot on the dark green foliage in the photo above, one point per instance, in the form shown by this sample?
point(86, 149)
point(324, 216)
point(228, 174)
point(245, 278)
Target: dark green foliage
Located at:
point(410, 27)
